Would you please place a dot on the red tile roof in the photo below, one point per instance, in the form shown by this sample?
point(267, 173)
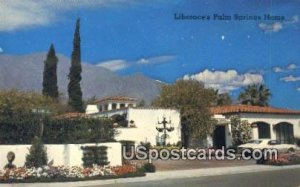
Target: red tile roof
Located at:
point(117, 98)
point(251, 109)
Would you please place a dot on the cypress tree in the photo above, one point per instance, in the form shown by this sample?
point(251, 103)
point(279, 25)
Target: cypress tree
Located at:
point(50, 87)
point(74, 89)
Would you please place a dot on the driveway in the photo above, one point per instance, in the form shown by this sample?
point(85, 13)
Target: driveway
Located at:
point(165, 165)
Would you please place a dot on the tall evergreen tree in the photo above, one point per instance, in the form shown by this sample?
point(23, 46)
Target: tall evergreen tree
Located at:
point(74, 89)
point(50, 87)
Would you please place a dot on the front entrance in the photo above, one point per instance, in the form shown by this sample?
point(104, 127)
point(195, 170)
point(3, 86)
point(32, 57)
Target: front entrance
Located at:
point(219, 138)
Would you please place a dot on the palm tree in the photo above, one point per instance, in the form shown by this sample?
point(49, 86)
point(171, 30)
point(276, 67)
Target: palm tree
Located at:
point(256, 95)
point(221, 99)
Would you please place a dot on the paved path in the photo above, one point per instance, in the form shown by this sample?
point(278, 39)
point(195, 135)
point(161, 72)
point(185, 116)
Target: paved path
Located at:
point(163, 175)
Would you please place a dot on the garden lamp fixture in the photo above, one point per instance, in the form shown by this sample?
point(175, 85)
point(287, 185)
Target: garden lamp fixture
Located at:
point(42, 112)
point(164, 128)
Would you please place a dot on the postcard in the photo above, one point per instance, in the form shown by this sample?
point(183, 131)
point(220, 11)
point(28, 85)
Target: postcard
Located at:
point(184, 90)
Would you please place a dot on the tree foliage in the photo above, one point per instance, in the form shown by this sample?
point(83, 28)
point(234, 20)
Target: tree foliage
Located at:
point(63, 130)
point(193, 100)
point(241, 130)
point(19, 124)
point(256, 95)
point(74, 88)
point(142, 103)
point(50, 87)
point(221, 99)
point(37, 156)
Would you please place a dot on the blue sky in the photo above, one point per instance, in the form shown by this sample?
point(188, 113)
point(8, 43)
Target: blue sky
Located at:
point(129, 36)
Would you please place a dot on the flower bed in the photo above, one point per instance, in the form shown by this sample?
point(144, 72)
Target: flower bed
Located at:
point(284, 159)
point(61, 173)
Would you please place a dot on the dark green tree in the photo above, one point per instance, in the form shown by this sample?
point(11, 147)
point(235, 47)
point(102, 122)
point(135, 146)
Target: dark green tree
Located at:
point(50, 87)
point(37, 156)
point(74, 89)
point(256, 95)
point(142, 103)
point(221, 99)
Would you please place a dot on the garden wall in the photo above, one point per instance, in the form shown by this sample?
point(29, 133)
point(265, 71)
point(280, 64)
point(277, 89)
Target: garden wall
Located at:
point(61, 154)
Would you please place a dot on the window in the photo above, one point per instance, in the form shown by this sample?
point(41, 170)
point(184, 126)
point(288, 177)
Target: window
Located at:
point(263, 130)
point(285, 133)
point(122, 105)
point(114, 106)
point(255, 141)
point(273, 142)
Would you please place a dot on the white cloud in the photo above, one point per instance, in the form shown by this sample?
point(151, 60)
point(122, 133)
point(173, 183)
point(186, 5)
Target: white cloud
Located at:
point(278, 70)
point(277, 26)
point(119, 64)
point(290, 78)
point(225, 81)
point(17, 14)
point(292, 66)
point(268, 28)
point(1, 50)
point(156, 60)
point(114, 65)
point(298, 89)
point(289, 68)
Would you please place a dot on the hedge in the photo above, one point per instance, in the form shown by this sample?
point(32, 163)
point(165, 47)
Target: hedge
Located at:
point(22, 129)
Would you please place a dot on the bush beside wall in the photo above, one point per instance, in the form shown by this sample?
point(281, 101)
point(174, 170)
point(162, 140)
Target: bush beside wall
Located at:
point(22, 130)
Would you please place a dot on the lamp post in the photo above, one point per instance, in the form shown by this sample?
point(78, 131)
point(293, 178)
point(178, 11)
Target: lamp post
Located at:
point(164, 128)
point(42, 112)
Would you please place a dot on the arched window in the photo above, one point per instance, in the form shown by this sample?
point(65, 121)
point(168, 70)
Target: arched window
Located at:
point(263, 130)
point(285, 132)
point(114, 106)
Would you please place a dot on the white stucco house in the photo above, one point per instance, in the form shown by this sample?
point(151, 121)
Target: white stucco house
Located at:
point(142, 124)
point(111, 103)
point(139, 124)
point(266, 122)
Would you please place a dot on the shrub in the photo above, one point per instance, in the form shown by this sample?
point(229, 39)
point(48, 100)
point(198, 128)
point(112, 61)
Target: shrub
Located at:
point(78, 130)
point(94, 155)
point(284, 159)
point(297, 141)
point(37, 156)
point(148, 167)
point(19, 124)
point(241, 130)
point(179, 144)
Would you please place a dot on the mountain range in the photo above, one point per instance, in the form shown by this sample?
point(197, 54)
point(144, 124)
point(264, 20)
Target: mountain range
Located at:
point(25, 72)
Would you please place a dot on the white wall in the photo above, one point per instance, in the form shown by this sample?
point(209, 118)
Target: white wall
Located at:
point(273, 119)
point(146, 120)
point(91, 109)
point(61, 154)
